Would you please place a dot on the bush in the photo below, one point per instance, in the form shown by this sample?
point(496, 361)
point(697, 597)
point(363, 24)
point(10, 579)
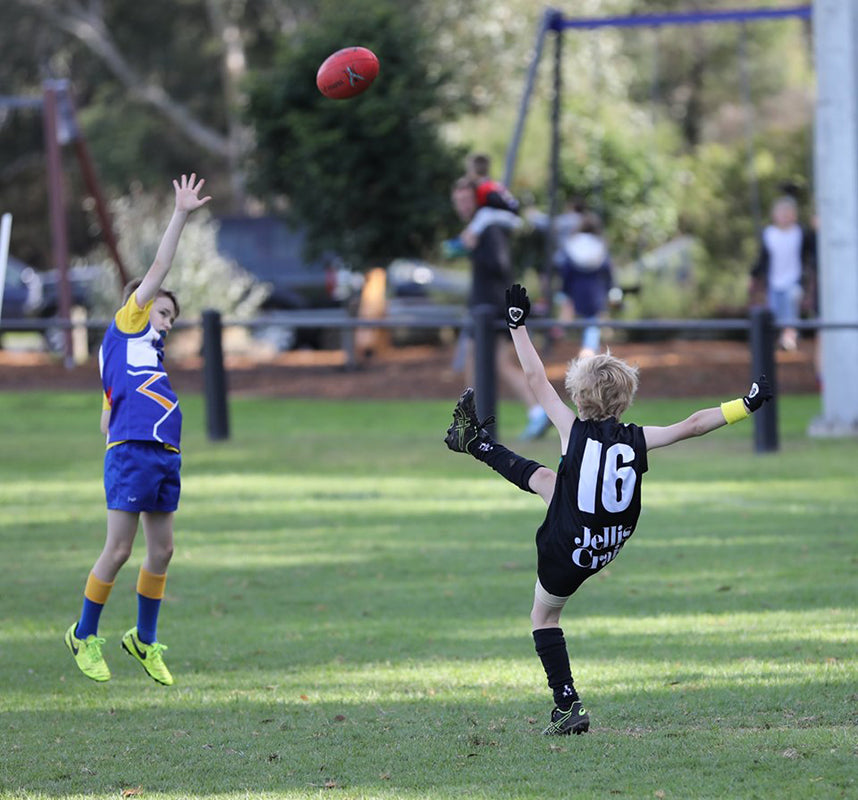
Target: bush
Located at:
point(200, 277)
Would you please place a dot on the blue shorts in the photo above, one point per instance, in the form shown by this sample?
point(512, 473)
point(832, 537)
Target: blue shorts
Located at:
point(785, 304)
point(142, 476)
point(588, 291)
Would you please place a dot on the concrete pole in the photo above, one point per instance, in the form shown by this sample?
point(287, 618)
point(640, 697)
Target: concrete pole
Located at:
point(5, 237)
point(835, 27)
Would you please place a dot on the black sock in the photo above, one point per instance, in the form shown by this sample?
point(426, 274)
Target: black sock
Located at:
point(551, 649)
point(515, 468)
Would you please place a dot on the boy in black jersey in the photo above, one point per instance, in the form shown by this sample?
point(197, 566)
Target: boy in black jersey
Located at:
point(594, 498)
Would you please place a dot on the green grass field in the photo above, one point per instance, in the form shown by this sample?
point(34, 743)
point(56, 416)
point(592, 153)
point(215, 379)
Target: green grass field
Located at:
point(347, 617)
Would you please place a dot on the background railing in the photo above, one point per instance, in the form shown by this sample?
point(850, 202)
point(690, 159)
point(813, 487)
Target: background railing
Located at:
point(483, 325)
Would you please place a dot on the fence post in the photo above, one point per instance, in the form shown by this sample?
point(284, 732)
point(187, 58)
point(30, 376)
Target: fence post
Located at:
point(485, 374)
point(214, 375)
point(347, 342)
point(763, 362)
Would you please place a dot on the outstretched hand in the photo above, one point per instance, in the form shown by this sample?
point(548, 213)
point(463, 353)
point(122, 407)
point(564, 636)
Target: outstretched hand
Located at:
point(759, 393)
point(517, 305)
point(188, 193)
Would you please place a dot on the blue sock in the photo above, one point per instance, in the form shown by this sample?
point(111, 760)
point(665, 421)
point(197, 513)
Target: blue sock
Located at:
point(89, 617)
point(147, 618)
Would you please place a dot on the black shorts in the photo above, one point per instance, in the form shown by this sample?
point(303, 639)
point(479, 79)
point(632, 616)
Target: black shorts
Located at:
point(558, 581)
point(562, 566)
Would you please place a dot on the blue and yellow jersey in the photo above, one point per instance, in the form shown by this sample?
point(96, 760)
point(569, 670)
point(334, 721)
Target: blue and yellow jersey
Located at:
point(143, 405)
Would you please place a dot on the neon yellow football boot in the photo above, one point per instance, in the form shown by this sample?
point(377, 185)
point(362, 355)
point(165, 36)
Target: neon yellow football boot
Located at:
point(87, 654)
point(149, 655)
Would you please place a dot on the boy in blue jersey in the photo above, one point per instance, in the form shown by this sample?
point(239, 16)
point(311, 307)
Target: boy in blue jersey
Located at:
point(594, 498)
point(143, 424)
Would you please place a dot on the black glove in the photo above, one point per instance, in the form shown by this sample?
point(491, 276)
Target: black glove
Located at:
point(517, 305)
point(758, 394)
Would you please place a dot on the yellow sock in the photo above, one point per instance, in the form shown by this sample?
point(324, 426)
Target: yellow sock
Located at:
point(94, 597)
point(151, 585)
point(97, 590)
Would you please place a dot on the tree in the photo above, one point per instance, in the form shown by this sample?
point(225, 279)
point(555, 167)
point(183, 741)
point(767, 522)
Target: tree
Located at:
point(157, 86)
point(368, 177)
point(160, 86)
point(118, 37)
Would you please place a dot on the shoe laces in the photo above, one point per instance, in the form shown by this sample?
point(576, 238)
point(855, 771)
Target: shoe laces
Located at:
point(93, 648)
point(155, 650)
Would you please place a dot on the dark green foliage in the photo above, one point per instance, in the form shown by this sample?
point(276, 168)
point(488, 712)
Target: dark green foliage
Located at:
point(368, 177)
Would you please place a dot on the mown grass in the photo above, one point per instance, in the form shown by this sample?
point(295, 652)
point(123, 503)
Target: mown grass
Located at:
point(347, 617)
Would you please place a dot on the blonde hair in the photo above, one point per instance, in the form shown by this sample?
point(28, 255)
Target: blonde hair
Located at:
point(132, 287)
point(601, 386)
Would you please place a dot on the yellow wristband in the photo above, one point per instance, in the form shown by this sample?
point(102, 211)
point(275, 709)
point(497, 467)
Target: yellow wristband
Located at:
point(734, 410)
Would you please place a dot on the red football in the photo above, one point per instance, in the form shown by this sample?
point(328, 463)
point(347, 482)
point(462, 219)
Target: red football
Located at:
point(347, 72)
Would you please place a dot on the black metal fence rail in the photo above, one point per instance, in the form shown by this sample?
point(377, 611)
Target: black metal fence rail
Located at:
point(483, 326)
point(464, 322)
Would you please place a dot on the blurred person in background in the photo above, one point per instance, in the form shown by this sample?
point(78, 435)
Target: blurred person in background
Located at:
point(487, 240)
point(781, 268)
point(582, 260)
point(490, 193)
point(587, 278)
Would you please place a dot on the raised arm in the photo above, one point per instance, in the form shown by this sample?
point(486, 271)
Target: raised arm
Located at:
point(517, 309)
point(187, 201)
point(708, 419)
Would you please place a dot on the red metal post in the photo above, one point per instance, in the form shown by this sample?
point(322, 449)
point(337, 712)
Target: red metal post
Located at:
point(56, 201)
point(94, 189)
point(87, 168)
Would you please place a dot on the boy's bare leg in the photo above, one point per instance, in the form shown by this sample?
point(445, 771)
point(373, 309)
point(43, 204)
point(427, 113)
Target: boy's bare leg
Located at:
point(569, 715)
point(511, 375)
point(158, 530)
point(82, 637)
point(121, 530)
point(141, 642)
point(513, 379)
point(509, 371)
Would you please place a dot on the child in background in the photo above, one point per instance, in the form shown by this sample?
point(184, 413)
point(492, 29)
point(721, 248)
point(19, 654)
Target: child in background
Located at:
point(786, 253)
point(142, 421)
point(494, 205)
point(490, 193)
point(587, 278)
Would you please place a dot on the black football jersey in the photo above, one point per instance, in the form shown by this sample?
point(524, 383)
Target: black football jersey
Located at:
point(596, 503)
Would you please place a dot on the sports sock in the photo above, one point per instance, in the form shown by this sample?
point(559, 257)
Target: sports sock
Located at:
point(515, 468)
point(94, 597)
point(150, 592)
point(551, 649)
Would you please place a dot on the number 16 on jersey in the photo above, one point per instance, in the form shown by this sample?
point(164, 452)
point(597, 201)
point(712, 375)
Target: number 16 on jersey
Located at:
point(617, 478)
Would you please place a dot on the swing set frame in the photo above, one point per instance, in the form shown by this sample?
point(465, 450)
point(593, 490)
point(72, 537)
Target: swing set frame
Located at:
point(556, 23)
